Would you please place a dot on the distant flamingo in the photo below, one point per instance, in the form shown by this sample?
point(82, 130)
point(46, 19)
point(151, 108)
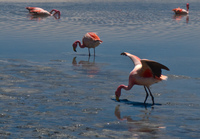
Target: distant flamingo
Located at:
point(42, 12)
point(181, 11)
point(146, 73)
point(90, 40)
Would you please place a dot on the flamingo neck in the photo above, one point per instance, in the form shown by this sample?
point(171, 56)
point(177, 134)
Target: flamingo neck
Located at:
point(80, 45)
point(124, 87)
point(187, 5)
point(119, 88)
point(55, 12)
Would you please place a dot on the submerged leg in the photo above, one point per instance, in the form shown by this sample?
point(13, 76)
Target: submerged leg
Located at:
point(146, 95)
point(151, 95)
point(94, 51)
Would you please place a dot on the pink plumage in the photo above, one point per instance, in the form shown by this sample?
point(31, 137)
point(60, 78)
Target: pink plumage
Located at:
point(146, 72)
point(42, 12)
point(90, 40)
point(181, 11)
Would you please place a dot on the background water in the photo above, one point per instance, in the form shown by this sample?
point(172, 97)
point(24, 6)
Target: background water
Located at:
point(47, 90)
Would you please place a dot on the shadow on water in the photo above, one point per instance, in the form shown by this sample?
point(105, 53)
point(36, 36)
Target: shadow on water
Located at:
point(136, 104)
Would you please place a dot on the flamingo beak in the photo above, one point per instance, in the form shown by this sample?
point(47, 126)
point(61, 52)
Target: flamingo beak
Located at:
point(74, 49)
point(117, 98)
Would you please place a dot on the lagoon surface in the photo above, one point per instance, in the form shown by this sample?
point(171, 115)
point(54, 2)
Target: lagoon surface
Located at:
point(49, 91)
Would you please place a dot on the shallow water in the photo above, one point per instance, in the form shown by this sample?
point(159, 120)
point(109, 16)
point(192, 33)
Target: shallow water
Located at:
point(47, 90)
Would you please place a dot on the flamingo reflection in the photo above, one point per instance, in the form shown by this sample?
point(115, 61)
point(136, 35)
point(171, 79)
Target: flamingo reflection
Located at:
point(180, 17)
point(36, 17)
point(90, 68)
point(142, 126)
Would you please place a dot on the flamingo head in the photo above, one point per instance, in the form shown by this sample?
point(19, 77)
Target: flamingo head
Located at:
point(118, 93)
point(55, 12)
point(187, 5)
point(74, 45)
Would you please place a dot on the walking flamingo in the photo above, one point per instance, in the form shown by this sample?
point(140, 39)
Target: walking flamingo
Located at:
point(42, 12)
point(146, 72)
point(181, 11)
point(90, 40)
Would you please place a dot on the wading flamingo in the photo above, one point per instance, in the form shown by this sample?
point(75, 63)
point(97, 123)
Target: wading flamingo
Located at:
point(181, 11)
point(41, 12)
point(146, 72)
point(90, 40)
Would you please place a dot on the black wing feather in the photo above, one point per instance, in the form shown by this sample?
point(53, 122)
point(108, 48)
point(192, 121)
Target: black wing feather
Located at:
point(155, 67)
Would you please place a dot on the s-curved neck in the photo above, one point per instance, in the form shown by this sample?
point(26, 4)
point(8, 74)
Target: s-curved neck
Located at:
point(124, 87)
point(55, 12)
point(80, 45)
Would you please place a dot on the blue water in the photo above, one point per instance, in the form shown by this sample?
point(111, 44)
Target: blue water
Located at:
point(49, 91)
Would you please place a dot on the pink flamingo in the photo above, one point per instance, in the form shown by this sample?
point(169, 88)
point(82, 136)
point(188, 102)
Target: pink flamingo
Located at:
point(146, 73)
point(181, 11)
point(42, 12)
point(90, 40)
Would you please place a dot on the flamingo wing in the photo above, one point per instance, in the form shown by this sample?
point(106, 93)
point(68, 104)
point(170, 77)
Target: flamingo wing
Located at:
point(177, 10)
point(94, 36)
point(37, 10)
point(34, 9)
point(152, 68)
point(135, 59)
point(31, 8)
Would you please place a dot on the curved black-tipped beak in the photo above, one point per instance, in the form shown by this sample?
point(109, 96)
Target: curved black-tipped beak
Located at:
point(74, 49)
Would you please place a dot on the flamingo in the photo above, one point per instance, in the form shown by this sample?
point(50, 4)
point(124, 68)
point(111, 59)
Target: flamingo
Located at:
point(90, 40)
point(181, 11)
point(42, 12)
point(146, 72)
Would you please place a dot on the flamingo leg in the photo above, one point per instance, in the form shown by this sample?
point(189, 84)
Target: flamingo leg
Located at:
point(89, 51)
point(94, 51)
point(146, 94)
point(151, 95)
